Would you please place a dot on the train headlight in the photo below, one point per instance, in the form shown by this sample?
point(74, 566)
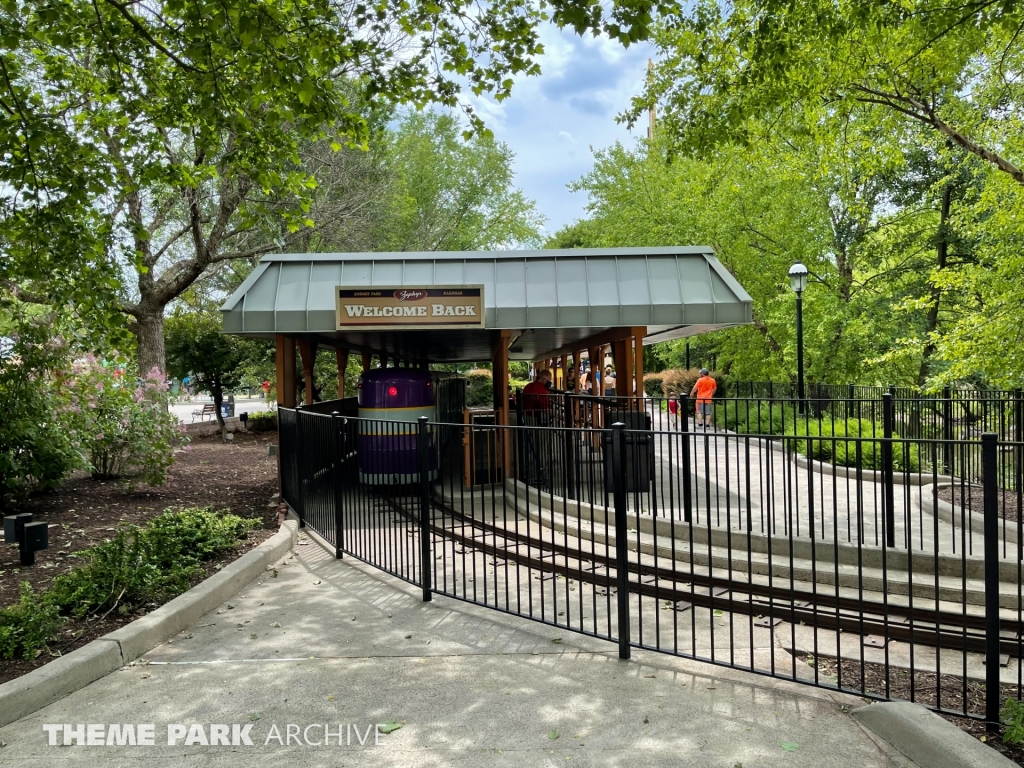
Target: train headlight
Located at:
point(393, 391)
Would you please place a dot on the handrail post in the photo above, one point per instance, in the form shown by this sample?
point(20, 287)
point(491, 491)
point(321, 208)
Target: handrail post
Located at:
point(426, 561)
point(569, 458)
point(684, 457)
point(889, 499)
point(338, 425)
point(621, 542)
point(990, 464)
point(301, 462)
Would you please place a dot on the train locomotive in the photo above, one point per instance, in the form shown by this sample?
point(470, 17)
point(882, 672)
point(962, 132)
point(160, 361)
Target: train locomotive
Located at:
point(392, 399)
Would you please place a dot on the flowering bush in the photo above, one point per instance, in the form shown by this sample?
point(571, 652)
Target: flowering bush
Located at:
point(120, 422)
point(37, 450)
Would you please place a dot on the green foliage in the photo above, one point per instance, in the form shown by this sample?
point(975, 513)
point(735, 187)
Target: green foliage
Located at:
point(1012, 716)
point(66, 410)
point(819, 439)
point(37, 450)
point(452, 194)
point(653, 385)
point(137, 569)
point(479, 389)
point(196, 347)
point(121, 422)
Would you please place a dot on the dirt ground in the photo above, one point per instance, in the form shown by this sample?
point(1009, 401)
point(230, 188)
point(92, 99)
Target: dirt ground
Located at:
point(1009, 502)
point(237, 476)
point(929, 689)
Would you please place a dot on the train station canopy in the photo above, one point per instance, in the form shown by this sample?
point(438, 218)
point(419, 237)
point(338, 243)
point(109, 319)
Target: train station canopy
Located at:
point(543, 302)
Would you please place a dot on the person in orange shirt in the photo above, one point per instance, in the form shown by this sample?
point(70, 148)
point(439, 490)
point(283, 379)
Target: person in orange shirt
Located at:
point(704, 390)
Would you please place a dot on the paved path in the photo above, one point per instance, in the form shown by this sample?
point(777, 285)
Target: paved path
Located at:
point(183, 410)
point(472, 687)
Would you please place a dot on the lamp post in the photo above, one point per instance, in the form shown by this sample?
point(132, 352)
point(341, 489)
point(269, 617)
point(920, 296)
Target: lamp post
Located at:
point(798, 282)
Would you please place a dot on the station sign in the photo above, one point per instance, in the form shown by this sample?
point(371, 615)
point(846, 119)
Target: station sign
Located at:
point(439, 306)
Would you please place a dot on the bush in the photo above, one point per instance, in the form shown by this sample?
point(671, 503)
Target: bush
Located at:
point(37, 450)
point(122, 422)
point(653, 385)
point(680, 380)
point(820, 435)
point(136, 569)
point(479, 389)
point(262, 421)
point(515, 384)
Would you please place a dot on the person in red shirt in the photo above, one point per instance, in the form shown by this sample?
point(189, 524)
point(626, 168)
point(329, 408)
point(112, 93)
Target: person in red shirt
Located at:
point(704, 389)
point(536, 397)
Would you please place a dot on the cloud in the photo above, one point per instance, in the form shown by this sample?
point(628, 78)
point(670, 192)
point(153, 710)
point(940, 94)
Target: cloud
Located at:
point(585, 83)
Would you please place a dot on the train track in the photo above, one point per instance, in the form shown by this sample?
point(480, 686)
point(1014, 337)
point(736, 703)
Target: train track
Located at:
point(937, 628)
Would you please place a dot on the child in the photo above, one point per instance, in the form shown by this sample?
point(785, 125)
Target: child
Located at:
point(673, 411)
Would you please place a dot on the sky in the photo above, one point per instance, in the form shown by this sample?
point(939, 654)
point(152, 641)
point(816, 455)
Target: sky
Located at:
point(552, 121)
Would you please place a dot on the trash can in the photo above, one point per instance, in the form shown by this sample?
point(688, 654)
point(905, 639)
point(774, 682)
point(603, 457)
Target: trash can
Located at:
point(227, 410)
point(639, 450)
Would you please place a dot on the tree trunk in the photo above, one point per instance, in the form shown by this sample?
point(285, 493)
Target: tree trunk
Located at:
point(941, 258)
point(149, 332)
point(218, 398)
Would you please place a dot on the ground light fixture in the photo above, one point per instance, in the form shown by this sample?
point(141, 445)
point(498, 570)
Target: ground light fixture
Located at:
point(798, 282)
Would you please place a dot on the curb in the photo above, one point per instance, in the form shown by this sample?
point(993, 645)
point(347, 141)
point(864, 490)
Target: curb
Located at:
point(867, 475)
point(955, 514)
point(927, 739)
point(29, 693)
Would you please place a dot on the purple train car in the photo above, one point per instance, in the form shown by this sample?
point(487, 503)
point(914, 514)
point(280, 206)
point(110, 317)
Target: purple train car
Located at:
point(392, 399)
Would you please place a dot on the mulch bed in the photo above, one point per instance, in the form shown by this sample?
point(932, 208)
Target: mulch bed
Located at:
point(236, 476)
point(975, 500)
point(929, 688)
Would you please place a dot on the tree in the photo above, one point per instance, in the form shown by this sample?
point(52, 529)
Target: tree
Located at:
point(167, 134)
point(450, 193)
point(739, 71)
point(197, 348)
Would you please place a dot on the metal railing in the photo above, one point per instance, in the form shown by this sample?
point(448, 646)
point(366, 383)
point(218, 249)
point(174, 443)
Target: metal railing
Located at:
point(847, 561)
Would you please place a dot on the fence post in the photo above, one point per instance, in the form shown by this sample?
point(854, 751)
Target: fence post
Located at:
point(621, 542)
point(887, 471)
point(299, 464)
point(684, 456)
point(570, 463)
point(426, 561)
point(1018, 438)
point(338, 444)
point(947, 430)
point(990, 481)
point(849, 402)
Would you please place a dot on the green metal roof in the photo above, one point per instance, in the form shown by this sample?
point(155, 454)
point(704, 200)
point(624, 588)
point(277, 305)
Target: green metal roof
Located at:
point(553, 297)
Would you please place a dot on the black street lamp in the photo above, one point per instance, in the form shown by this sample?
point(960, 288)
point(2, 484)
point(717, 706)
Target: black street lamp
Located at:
point(798, 282)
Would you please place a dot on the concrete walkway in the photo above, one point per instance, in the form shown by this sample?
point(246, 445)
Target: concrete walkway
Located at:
point(338, 642)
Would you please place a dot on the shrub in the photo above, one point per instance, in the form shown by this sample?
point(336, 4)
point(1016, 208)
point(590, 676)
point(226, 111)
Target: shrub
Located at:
point(479, 388)
point(137, 568)
point(515, 384)
point(821, 437)
point(122, 422)
point(37, 450)
point(681, 380)
point(262, 421)
point(653, 385)
point(1012, 716)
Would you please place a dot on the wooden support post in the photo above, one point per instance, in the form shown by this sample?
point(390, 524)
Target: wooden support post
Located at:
point(620, 361)
point(285, 371)
point(383, 361)
point(307, 351)
point(638, 359)
point(366, 361)
point(499, 380)
point(341, 355)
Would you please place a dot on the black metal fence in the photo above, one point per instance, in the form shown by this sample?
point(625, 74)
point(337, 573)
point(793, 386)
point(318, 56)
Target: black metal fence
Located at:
point(877, 564)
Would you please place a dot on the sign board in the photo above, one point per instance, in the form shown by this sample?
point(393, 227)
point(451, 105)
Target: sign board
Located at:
point(439, 306)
